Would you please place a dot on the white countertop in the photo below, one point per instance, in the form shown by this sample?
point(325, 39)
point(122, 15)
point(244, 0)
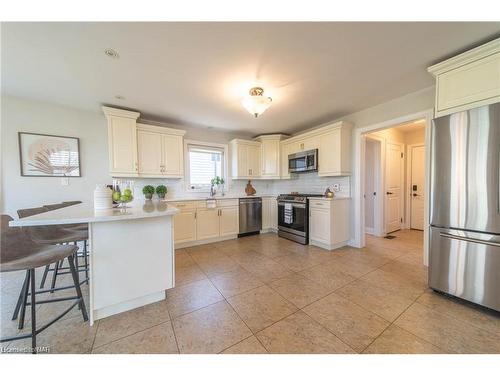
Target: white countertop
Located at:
point(85, 213)
point(328, 199)
point(218, 197)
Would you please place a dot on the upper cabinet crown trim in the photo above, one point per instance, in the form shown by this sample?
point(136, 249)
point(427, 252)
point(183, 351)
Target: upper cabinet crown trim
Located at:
point(320, 130)
point(467, 57)
point(160, 129)
point(245, 141)
point(110, 111)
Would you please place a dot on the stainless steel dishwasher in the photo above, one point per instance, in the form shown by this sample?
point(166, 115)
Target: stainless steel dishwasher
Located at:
point(250, 215)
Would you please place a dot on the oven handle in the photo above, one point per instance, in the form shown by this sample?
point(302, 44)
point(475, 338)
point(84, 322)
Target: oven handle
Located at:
point(298, 205)
point(468, 239)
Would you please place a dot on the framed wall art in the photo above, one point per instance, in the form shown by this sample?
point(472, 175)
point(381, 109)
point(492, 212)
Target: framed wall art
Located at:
point(44, 155)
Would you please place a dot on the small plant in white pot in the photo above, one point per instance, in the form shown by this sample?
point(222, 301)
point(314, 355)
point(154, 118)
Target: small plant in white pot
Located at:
point(148, 191)
point(161, 191)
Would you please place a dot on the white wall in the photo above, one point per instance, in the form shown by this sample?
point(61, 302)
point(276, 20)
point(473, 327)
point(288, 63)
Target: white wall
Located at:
point(38, 117)
point(91, 128)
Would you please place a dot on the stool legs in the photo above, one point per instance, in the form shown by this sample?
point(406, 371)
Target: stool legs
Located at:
point(54, 276)
point(44, 277)
point(77, 287)
point(33, 311)
point(20, 299)
point(25, 300)
point(86, 262)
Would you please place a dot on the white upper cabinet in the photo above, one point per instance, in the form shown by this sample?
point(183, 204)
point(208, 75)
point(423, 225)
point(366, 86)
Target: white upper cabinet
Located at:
point(149, 147)
point(160, 151)
point(173, 155)
point(141, 150)
point(122, 142)
point(469, 80)
point(334, 149)
point(245, 159)
point(270, 155)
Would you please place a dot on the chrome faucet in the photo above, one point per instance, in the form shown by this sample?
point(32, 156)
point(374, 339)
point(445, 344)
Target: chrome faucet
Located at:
point(212, 191)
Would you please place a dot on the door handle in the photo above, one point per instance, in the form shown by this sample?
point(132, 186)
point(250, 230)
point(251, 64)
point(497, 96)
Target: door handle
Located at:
point(389, 193)
point(468, 239)
point(415, 195)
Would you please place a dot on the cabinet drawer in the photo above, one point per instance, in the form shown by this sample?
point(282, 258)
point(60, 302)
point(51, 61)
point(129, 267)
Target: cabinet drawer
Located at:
point(227, 202)
point(319, 204)
point(183, 206)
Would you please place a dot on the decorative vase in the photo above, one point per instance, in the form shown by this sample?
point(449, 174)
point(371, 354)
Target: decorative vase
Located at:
point(161, 196)
point(148, 196)
point(250, 190)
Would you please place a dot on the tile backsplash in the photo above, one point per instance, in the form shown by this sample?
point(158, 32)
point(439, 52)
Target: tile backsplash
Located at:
point(301, 182)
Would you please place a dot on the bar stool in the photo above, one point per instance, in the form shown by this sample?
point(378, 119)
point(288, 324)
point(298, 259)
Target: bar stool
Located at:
point(78, 227)
point(53, 235)
point(19, 253)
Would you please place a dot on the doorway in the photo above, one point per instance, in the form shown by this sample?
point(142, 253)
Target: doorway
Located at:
point(416, 178)
point(395, 206)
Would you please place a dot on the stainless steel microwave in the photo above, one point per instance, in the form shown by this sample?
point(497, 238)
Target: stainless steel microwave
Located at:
point(305, 161)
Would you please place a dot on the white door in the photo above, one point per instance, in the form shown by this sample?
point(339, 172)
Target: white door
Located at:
point(243, 168)
point(417, 188)
point(149, 152)
point(329, 153)
point(266, 213)
point(185, 226)
point(229, 223)
point(253, 160)
point(173, 155)
point(393, 186)
point(273, 213)
point(319, 225)
point(270, 158)
point(207, 223)
point(122, 145)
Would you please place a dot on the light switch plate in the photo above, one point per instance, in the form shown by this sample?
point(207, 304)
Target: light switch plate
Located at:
point(65, 181)
point(336, 187)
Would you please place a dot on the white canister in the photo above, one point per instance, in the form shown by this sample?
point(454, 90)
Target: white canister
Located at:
point(102, 197)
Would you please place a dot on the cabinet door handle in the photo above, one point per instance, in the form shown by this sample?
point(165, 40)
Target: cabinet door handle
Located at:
point(195, 215)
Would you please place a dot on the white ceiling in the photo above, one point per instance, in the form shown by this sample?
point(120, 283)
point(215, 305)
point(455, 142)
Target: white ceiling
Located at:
point(196, 73)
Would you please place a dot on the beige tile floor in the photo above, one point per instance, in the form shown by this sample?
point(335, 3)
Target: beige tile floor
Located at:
point(265, 294)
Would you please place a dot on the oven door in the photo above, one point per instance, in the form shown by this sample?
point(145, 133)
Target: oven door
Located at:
point(299, 219)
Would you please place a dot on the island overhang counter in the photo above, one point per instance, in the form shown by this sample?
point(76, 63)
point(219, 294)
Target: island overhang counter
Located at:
point(132, 257)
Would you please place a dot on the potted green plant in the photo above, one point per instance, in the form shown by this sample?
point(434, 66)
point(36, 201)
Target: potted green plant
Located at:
point(217, 181)
point(161, 190)
point(148, 191)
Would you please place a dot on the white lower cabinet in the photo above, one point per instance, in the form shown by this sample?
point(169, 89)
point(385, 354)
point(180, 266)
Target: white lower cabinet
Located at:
point(197, 224)
point(269, 214)
point(185, 226)
point(329, 222)
point(207, 223)
point(229, 221)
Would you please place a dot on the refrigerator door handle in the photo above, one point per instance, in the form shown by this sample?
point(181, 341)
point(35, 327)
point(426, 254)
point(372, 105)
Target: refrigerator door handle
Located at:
point(468, 239)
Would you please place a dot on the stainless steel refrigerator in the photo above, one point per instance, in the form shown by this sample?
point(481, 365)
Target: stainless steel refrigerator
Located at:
point(464, 259)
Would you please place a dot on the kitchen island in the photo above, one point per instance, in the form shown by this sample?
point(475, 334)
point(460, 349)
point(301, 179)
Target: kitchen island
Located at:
point(131, 252)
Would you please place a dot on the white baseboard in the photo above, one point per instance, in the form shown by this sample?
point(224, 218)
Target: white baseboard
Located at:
point(369, 230)
point(204, 242)
point(328, 246)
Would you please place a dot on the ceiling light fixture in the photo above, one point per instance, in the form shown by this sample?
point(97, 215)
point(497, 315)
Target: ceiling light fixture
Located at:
point(110, 52)
point(256, 103)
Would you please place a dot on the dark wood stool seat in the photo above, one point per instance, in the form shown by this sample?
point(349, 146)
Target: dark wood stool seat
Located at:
point(19, 252)
point(58, 234)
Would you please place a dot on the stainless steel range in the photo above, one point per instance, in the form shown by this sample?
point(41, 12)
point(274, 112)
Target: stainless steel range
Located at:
point(293, 216)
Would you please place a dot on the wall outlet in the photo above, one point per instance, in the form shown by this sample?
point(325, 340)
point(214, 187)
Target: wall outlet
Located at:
point(65, 181)
point(336, 187)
